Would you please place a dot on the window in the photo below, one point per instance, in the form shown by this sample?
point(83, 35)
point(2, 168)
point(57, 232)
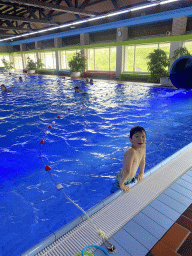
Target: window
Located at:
point(129, 53)
point(31, 56)
point(188, 45)
point(142, 51)
point(69, 56)
point(91, 59)
point(112, 51)
point(6, 57)
point(49, 59)
point(102, 59)
point(18, 64)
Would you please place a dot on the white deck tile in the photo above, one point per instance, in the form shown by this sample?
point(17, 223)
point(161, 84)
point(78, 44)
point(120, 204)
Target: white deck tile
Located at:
point(187, 177)
point(178, 196)
point(172, 203)
point(129, 243)
point(182, 190)
point(150, 225)
point(189, 172)
point(184, 184)
point(158, 217)
point(140, 234)
point(166, 210)
point(120, 250)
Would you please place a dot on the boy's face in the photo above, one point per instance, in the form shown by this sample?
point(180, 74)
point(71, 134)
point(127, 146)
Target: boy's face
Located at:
point(138, 139)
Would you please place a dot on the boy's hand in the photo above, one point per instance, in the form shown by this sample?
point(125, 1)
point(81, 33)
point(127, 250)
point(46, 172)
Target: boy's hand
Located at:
point(124, 187)
point(140, 177)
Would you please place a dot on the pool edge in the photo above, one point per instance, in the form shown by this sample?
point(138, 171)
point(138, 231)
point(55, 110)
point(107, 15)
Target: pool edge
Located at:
point(63, 230)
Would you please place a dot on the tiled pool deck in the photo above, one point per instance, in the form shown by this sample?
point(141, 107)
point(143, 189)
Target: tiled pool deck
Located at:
point(163, 228)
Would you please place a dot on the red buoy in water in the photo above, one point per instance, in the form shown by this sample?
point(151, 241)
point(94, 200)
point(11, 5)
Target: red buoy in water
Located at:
point(42, 142)
point(47, 168)
point(49, 126)
point(58, 116)
point(69, 109)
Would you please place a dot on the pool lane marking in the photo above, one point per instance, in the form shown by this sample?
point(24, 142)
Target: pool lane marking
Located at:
point(59, 186)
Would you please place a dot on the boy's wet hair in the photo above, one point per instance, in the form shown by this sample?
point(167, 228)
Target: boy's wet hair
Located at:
point(136, 129)
point(76, 87)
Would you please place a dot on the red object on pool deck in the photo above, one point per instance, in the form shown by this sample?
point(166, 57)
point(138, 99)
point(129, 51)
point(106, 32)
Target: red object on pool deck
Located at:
point(42, 142)
point(99, 74)
point(47, 168)
point(49, 126)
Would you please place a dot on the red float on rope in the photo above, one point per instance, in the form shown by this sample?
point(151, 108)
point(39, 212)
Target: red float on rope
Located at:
point(69, 109)
point(58, 116)
point(42, 142)
point(49, 126)
point(47, 168)
point(82, 102)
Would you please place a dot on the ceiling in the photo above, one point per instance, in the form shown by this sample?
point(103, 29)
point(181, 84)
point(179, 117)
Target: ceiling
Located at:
point(19, 17)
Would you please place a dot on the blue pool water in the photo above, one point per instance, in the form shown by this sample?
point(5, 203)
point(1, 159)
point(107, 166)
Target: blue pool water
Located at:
point(84, 147)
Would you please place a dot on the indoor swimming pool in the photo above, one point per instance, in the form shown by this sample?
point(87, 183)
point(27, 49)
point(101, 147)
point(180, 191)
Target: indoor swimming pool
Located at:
point(85, 137)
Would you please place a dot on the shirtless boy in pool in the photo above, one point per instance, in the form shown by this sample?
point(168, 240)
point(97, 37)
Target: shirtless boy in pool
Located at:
point(133, 157)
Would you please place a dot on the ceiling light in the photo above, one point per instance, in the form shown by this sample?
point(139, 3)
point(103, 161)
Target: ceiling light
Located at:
point(168, 1)
point(117, 13)
point(143, 7)
point(97, 18)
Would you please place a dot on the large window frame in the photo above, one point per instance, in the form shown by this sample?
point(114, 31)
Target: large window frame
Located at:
point(138, 56)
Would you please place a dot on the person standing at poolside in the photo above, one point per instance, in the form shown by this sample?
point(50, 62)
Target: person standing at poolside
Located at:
point(133, 157)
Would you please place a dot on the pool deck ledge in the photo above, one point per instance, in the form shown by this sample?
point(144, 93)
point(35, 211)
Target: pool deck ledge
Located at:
point(134, 222)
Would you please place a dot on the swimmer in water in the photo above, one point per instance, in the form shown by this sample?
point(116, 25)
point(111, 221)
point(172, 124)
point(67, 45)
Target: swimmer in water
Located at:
point(20, 78)
point(133, 157)
point(3, 88)
point(79, 91)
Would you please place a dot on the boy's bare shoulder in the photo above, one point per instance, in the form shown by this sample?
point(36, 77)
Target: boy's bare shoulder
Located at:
point(130, 151)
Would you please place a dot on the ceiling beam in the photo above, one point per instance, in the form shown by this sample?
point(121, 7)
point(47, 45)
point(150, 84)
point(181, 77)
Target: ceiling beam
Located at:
point(14, 28)
point(115, 4)
point(84, 4)
point(16, 18)
point(6, 34)
point(49, 6)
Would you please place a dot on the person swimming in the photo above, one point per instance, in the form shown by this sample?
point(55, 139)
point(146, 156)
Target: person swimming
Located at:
point(4, 88)
point(79, 91)
point(20, 78)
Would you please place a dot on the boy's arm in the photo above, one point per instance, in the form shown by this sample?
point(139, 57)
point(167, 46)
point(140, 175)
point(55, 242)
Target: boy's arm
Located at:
point(128, 162)
point(142, 167)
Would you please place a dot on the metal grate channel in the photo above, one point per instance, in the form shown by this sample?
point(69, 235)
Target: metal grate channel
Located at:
point(117, 213)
